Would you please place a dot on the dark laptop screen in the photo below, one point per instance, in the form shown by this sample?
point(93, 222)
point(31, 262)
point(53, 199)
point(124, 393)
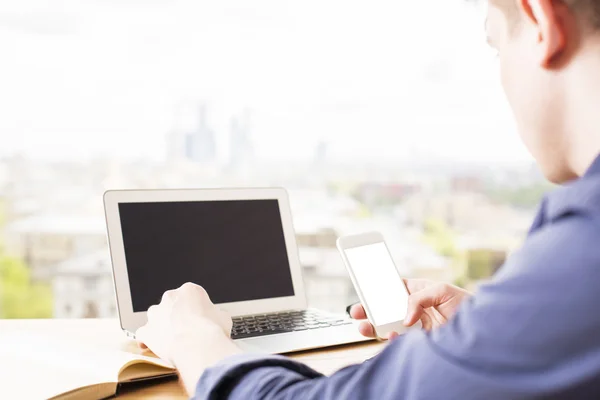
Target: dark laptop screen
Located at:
point(234, 249)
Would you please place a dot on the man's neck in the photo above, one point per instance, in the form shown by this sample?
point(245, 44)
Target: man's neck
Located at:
point(584, 110)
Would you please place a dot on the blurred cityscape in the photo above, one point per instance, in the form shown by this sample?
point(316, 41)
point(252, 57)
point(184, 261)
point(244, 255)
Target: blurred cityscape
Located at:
point(445, 221)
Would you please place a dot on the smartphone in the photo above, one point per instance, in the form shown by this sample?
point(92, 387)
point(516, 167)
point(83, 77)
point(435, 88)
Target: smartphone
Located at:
point(378, 284)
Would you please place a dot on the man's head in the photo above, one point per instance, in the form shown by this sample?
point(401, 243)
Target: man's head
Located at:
point(549, 53)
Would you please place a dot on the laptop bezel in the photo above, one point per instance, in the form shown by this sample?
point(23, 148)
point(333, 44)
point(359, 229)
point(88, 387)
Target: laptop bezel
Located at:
point(130, 320)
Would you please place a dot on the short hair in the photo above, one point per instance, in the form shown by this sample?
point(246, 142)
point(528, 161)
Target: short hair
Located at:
point(587, 10)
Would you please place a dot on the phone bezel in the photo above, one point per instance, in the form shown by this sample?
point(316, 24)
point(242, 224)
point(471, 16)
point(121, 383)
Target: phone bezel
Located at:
point(365, 239)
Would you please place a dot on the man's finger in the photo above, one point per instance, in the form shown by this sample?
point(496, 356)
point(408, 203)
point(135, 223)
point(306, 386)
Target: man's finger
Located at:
point(151, 312)
point(140, 336)
point(421, 300)
point(357, 311)
point(413, 314)
point(366, 329)
point(226, 322)
point(426, 322)
point(168, 296)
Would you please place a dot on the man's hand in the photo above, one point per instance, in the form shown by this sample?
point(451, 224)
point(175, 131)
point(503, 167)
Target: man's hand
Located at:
point(189, 331)
point(433, 303)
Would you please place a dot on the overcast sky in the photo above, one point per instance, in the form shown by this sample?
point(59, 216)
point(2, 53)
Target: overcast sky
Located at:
point(392, 79)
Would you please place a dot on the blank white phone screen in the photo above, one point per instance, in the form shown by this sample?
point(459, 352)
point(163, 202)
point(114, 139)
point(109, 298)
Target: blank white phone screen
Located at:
point(382, 287)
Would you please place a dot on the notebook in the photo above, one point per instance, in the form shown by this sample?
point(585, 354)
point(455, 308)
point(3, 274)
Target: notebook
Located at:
point(34, 367)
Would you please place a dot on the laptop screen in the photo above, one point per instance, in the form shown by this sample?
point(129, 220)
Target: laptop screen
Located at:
point(234, 249)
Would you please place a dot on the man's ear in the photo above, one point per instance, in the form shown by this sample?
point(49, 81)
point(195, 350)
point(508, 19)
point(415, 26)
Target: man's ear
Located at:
point(545, 17)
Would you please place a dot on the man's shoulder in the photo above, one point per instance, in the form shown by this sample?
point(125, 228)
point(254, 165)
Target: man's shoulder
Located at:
point(569, 237)
point(562, 255)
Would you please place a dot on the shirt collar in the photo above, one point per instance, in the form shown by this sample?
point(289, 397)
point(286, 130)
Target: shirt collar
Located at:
point(594, 169)
point(580, 196)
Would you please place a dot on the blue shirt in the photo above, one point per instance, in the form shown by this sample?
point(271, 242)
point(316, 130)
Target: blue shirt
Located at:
point(531, 332)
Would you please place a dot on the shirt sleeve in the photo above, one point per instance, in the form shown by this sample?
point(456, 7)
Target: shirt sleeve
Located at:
point(531, 332)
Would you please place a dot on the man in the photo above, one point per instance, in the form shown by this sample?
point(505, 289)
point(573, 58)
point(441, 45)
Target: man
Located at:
point(534, 330)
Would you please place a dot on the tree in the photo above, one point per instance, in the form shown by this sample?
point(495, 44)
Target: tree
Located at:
point(19, 296)
point(483, 263)
point(440, 237)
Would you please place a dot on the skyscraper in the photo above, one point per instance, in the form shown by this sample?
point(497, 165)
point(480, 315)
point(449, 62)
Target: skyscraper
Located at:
point(200, 144)
point(320, 154)
point(241, 151)
point(193, 139)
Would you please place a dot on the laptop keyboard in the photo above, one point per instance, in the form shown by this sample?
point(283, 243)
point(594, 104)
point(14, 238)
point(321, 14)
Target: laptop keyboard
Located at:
point(283, 322)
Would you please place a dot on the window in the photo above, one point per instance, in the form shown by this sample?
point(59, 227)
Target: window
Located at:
point(367, 113)
point(90, 283)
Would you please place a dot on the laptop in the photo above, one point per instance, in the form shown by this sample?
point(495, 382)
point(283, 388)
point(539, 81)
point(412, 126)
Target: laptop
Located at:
point(239, 244)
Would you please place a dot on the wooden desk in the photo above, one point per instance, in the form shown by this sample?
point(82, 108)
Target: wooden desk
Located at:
point(107, 334)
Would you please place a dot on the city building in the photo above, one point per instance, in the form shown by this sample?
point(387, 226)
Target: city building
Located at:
point(328, 285)
point(83, 287)
point(467, 183)
point(319, 219)
point(44, 241)
point(53, 216)
point(377, 194)
point(466, 212)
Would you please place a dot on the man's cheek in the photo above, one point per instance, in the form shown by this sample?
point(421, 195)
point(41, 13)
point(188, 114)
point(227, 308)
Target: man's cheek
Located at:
point(511, 73)
point(506, 79)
